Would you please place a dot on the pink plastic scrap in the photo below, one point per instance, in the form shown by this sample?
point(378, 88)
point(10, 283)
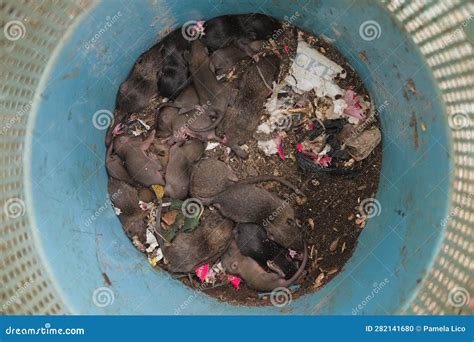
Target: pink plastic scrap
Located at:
point(353, 108)
point(287, 49)
point(234, 280)
point(202, 272)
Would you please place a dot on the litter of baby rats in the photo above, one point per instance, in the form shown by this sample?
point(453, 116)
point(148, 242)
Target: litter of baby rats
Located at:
point(244, 169)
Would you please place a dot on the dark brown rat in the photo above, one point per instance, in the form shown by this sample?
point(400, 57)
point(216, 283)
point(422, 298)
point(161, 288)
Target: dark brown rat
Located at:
point(238, 30)
point(243, 116)
point(179, 168)
point(246, 203)
point(135, 225)
point(211, 176)
point(253, 242)
point(174, 74)
point(123, 196)
point(142, 168)
point(126, 198)
point(253, 274)
point(202, 245)
point(140, 86)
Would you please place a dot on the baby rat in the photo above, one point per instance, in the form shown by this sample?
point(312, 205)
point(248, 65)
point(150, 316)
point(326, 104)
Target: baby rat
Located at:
point(135, 225)
point(202, 245)
point(179, 168)
point(253, 242)
point(243, 116)
point(253, 274)
point(123, 196)
point(132, 218)
point(173, 77)
point(245, 203)
point(140, 86)
point(140, 167)
point(224, 59)
point(238, 30)
point(211, 176)
point(212, 93)
point(115, 167)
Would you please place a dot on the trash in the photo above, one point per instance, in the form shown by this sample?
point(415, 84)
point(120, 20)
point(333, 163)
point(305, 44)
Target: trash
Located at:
point(159, 191)
point(151, 241)
point(362, 145)
point(146, 206)
point(212, 145)
point(318, 282)
point(268, 147)
point(355, 106)
point(170, 217)
point(201, 272)
point(117, 211)
point(311, 70)
point(234, 281)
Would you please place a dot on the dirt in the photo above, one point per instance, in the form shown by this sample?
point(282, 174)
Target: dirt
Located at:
point(329, 215)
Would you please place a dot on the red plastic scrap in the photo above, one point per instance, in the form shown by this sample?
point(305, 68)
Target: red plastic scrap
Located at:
point(234, 280)
point(287, 49)
point(279, 142)
point(323, 161)
point(202, 272)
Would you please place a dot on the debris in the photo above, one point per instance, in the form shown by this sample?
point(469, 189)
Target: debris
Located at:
point(361, 146)
point(117, 211)
point(234, 281)
point(333, 245)
point(151, 241)
point(159, 191)
point(201, 272)
point(170, 217)
point(343, 248)
point(212, 145)
point(353, 106)
point(318, 282)
point(146, 206)
point(311, 70)
point(269, 147)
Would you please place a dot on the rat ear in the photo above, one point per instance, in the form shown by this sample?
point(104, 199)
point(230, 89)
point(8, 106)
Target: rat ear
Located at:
point(212, 68)
point(186, 56)
point(252, 35)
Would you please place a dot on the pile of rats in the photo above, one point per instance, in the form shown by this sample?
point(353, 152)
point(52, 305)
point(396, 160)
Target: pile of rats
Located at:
point(196, 116)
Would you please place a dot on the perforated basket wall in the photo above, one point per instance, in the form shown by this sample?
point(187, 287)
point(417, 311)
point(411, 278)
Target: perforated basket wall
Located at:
point(32, 30)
